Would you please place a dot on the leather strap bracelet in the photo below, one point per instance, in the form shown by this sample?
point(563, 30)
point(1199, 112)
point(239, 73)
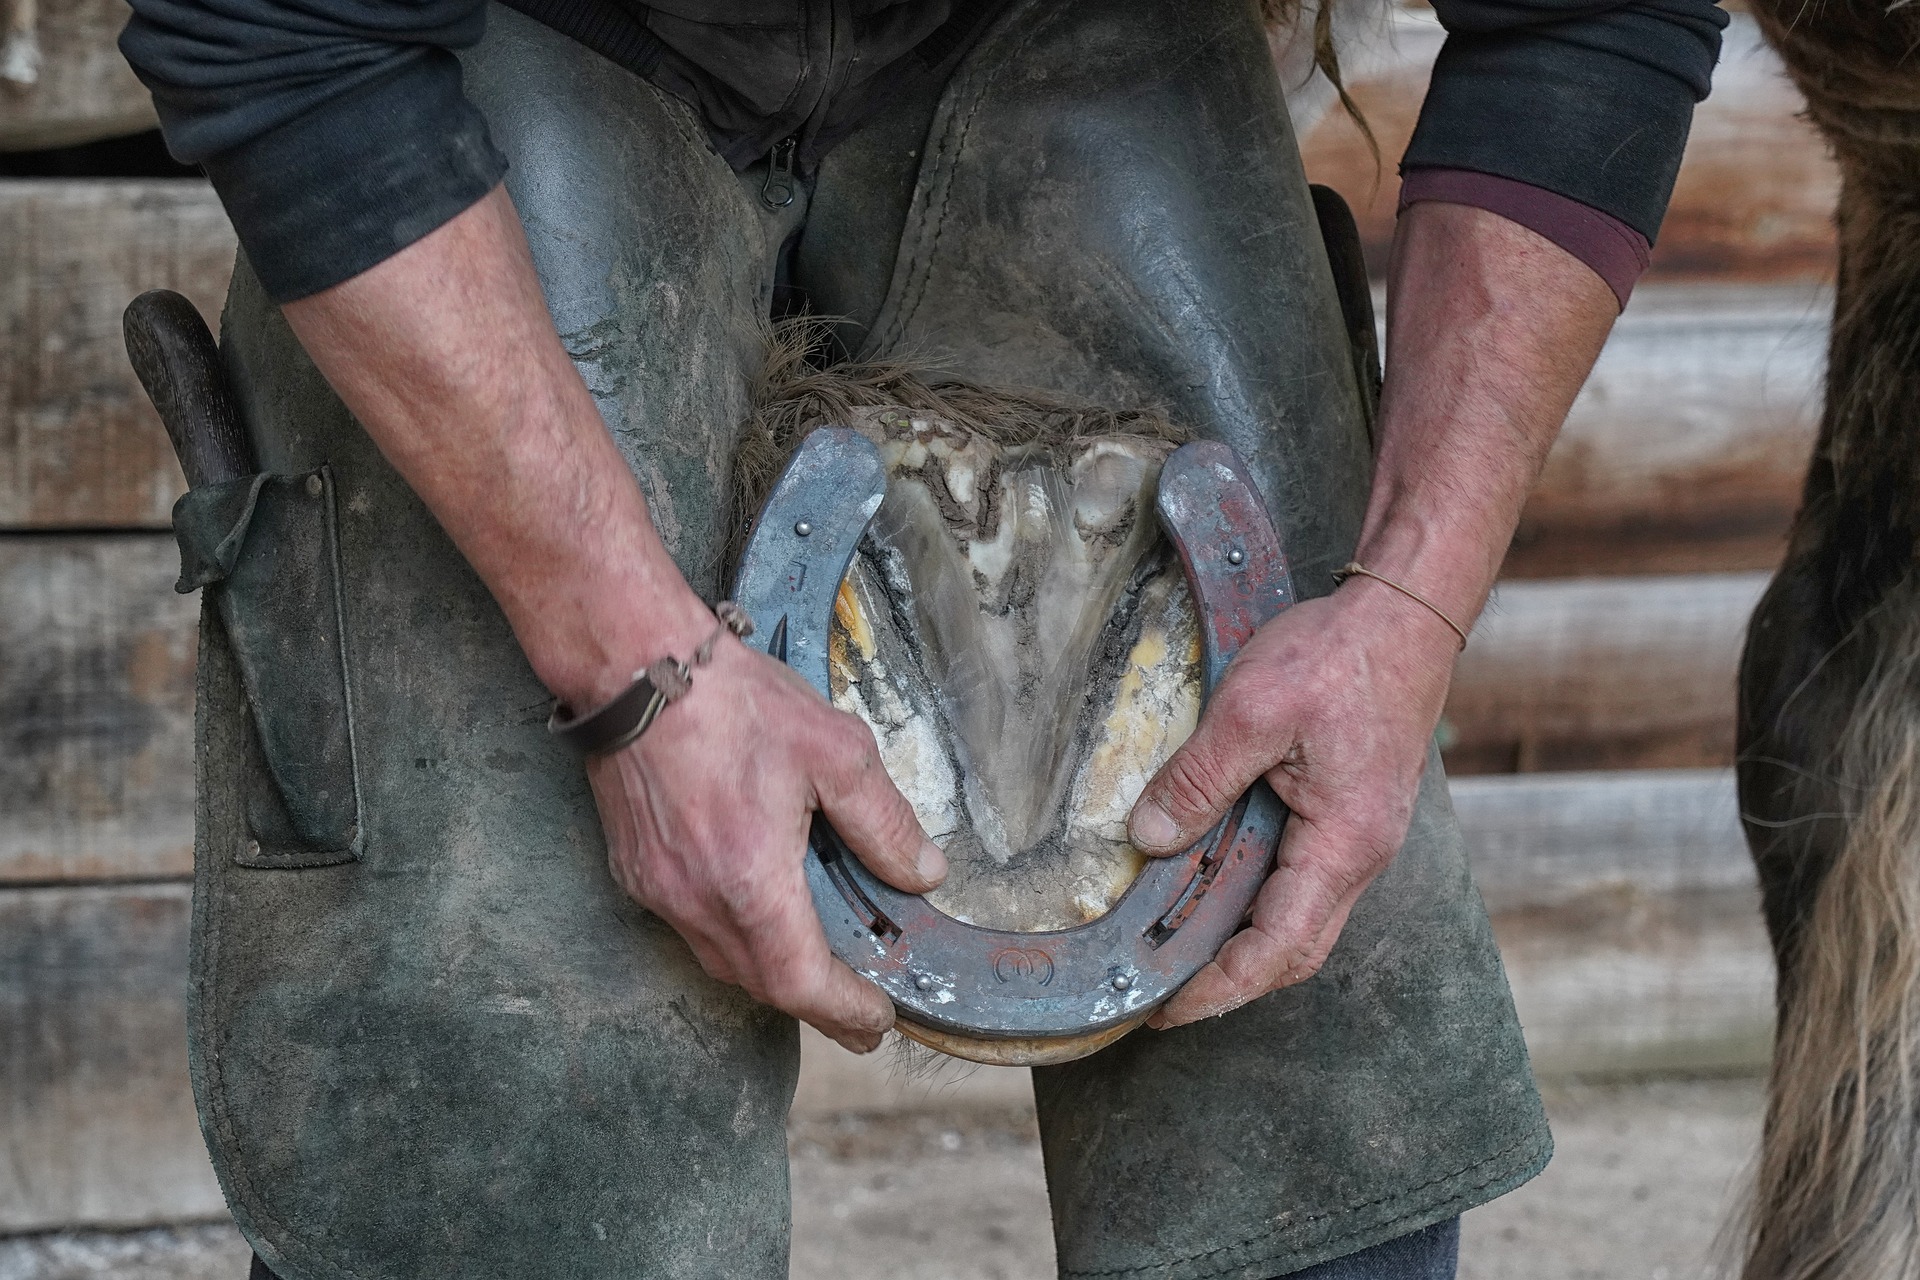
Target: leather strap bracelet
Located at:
point(632, 712)
point(1355, 569)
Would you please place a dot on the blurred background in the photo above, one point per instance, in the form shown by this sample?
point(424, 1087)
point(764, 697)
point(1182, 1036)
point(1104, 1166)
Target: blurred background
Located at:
point(1590, 729)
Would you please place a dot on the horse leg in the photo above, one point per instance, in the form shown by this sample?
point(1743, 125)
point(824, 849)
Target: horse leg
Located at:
point(1829, 717)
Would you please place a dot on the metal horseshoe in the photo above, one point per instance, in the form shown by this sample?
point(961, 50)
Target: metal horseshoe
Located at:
point(962, 979)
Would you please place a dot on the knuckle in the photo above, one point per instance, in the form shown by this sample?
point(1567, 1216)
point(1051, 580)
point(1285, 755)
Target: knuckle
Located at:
point(1241, 989)
point(626, 876)
point(786, 989)
point(1377, 844)
point(738, 899)
point(1304, 965)
point(1252, 701)
point(644, 882)
point(796, 983)
point(1254, 967)
point(1345, 876)
point(1196, 780)
point(899, 824)
point(712, 961)
point(1238, 718)
point(1284, 965)
point(852, 740)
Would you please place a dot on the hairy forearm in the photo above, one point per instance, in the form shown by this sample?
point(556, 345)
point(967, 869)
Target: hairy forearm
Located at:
point(447, 355)
point(1491, 329)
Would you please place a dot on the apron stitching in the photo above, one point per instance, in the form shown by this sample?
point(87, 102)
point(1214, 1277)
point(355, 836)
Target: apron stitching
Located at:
point(923, 268)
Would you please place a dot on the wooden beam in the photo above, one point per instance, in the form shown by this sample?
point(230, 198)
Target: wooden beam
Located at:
point(1601, 673)
point(1628, 918)
point(1685, 451)
point(97, 1126)
point(1756, 191)
point(1548, 841)
point(80, 446)
point(64, 81)
point(96, 709)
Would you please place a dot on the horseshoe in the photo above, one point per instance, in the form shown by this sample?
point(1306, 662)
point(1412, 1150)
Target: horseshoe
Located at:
point(999, 995)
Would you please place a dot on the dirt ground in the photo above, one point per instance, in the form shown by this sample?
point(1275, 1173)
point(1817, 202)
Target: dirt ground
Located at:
point(1642, 1180)
point(1637, 1191)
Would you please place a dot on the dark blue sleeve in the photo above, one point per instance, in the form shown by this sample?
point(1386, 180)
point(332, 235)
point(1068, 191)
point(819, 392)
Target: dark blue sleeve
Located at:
point(335, 131)
point(1588, 99)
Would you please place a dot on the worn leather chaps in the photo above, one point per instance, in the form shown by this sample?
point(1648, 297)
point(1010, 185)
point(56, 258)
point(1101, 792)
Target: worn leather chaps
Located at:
point(430, 1038)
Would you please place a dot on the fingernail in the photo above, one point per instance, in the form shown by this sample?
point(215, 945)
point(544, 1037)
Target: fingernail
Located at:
point(931, 864)
point(1152, 828)
point(1165, 1019)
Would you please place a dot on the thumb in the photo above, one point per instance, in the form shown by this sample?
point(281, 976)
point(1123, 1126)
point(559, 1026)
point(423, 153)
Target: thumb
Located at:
point(871, 815)
point(1202, 780)
point(1293, 924)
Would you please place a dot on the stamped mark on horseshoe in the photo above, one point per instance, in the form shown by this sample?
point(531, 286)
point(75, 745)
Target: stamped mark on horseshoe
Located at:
point(1025, 965)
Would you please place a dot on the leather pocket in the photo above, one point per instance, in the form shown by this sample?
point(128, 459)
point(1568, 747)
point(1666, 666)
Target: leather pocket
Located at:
point(266, 550)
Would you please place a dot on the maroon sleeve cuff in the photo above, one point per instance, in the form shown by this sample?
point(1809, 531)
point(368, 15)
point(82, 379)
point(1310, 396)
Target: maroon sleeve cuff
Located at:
point(1617, 253)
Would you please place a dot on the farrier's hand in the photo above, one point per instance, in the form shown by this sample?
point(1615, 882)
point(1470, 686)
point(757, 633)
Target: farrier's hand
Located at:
point(706, 818)
point(1334, 703)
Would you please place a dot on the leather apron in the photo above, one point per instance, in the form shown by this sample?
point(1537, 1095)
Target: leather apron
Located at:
point(430, 1037)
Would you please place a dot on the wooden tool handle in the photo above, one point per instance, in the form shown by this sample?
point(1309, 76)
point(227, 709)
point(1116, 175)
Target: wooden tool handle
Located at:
point(178, 363)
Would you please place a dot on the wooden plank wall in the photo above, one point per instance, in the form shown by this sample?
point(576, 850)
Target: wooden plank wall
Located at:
point(96, 1122)
point(80, 447)
point(81, 89)
point(97, 1125)
point(1627, 916)
point(1614, 672)
point(96, 710)
point(1621, 897)
point(1685, 451)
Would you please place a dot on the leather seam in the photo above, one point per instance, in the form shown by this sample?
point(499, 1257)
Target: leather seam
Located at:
point(921, 272)
point(681, 118)
point(1357, 1206)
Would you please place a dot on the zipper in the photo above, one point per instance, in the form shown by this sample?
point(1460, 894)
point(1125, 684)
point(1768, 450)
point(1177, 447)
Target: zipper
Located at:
point(830, 54)
point(777, 190)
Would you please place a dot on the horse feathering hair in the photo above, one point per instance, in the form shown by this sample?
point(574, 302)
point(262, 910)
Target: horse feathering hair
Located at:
point(1829, 714)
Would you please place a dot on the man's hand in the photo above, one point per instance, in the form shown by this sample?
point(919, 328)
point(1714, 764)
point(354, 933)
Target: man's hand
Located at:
point(1333, 702)
point(447, 354)
point(1491, 329)
point(706, 817)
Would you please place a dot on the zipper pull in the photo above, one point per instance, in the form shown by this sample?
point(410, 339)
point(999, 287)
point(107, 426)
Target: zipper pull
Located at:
point(777, 190)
